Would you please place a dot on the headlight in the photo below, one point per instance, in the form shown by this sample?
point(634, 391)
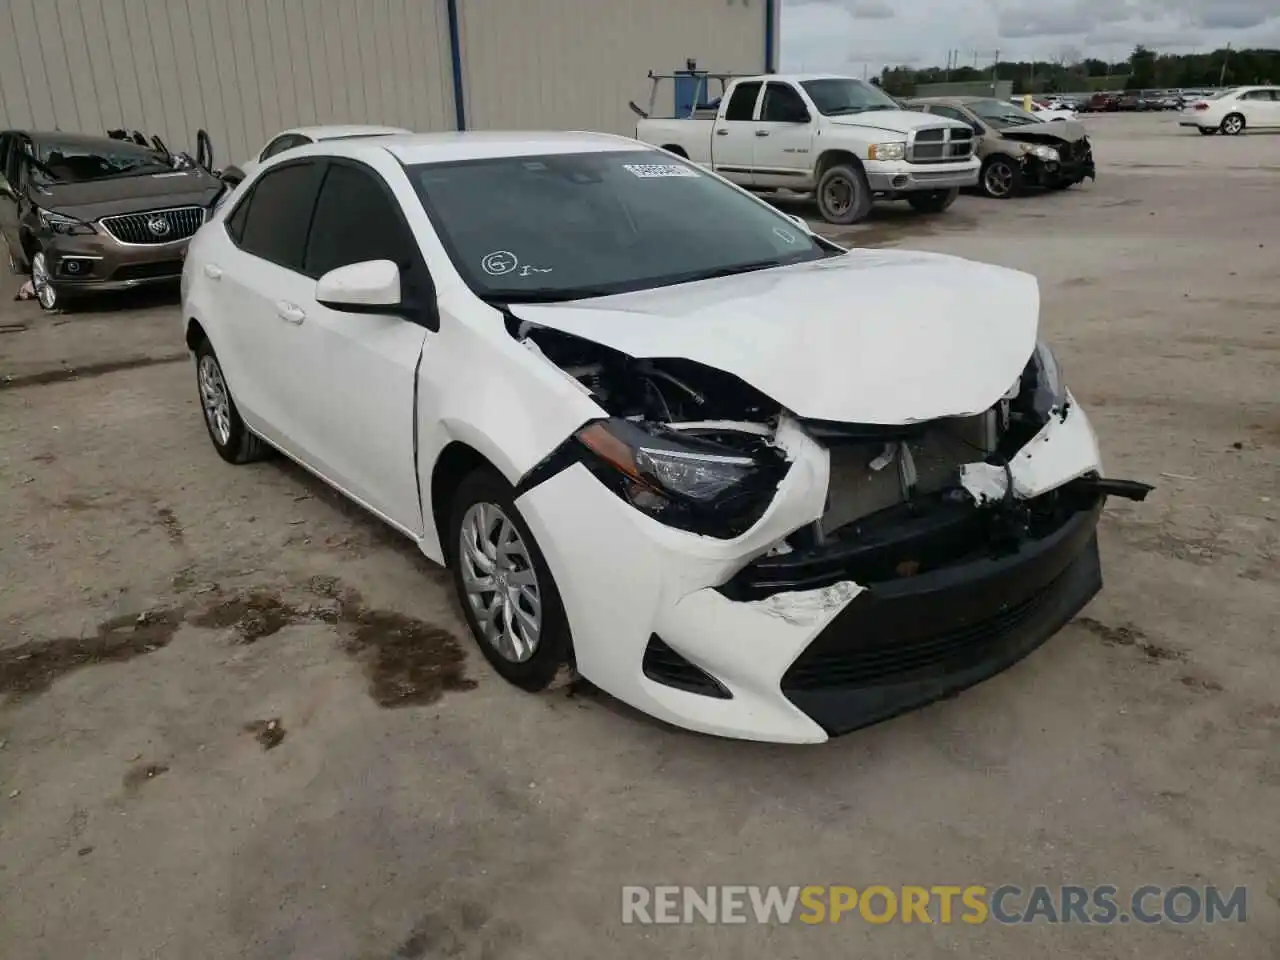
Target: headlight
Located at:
point(887, 151)
point(1042, 389)
point(1045, 153)
point(62, 224)
point(684, 481)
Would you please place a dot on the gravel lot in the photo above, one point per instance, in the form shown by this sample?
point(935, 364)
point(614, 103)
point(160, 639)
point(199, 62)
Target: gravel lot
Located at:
point(238, 718)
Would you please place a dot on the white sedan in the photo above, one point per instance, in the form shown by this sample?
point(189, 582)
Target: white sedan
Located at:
point(1234, 111)
point(301, 137)
point(1045, 111)
point(742, 479)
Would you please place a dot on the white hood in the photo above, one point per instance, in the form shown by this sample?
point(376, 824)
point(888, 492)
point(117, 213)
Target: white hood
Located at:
point(873, 336)
point(894, 121)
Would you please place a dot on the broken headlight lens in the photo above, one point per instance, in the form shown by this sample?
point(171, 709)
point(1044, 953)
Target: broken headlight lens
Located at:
point(67, 226)
point(1044, 153)
point(685, 481)
point(1042, 385)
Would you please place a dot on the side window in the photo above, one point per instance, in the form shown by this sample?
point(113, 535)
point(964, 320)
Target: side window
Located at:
point(235, 223)
point(281, 144)
point(278, 214)
point(742, 105)
point(356, 220)
point(782, 104)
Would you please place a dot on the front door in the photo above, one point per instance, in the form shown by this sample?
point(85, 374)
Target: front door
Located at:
point(10, 159)
point(363, 367)
point(733, 143)
point(784, 137)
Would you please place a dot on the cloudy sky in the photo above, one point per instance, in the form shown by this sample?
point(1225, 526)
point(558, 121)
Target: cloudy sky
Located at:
point(850, 35)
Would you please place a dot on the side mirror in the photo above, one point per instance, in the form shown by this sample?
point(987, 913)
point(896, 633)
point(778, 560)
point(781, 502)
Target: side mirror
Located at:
point(372, 286)
point(799, 221)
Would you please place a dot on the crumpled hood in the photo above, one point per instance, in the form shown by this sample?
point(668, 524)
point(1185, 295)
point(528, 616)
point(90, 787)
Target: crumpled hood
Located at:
point(873, 336)
point(1048, 131)
point(111, 196)
point(894, 121)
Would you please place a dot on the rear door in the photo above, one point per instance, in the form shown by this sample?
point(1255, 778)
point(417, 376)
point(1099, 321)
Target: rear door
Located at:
point(258, 275)
point(733, 142)
point(1271, 108)
point(784, 137)
point(364, 365)
point(8, 194)
point(1256, 107)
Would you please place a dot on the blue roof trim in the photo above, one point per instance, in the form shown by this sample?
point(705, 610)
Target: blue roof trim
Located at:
point(770, 30)
point(455, 54)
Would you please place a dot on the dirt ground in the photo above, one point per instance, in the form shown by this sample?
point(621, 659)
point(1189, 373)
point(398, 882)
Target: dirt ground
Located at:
point(238, 718)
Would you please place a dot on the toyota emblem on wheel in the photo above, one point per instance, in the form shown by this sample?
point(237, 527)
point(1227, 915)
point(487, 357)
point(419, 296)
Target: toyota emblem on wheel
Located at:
point(158, 225)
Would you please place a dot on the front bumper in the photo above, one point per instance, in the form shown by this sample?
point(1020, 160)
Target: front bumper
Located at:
point(99, 263)
point(657, 624)
point(901, 177)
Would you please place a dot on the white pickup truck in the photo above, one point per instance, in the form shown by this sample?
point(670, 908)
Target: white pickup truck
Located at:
point(846, 141)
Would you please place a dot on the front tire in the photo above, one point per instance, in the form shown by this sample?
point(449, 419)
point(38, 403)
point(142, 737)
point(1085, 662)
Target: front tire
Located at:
point(504, 585)
point(231, 438)
point(46, 293)
point(933, 201)
point(1001, 178)
point(1233, 124)
point(844, 196)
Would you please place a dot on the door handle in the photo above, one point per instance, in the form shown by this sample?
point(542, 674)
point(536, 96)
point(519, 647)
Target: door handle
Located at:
point(212, 272)
point(722, 132)
point(762, 133)
point(290, 312)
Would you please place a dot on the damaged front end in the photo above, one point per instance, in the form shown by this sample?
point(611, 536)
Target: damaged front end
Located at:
point(905, 561)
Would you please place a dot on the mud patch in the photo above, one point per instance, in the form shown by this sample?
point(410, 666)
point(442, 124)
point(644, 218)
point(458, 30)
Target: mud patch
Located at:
point(30, 668)
point(408, 662)
point(1130, 636)
point(268, 733)
point(172, 528)
point(135, 777)
point(63, 374)
point(253, 615)
point(1199, 683)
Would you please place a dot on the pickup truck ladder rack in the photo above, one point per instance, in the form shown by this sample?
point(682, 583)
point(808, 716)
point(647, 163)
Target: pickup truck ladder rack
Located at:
point(702, 80)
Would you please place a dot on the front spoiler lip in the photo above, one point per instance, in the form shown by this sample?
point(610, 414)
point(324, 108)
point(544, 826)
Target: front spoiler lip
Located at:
point(1057, 575)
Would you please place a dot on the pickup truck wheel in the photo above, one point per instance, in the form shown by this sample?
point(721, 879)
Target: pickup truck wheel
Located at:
point(933, 201)
point(504, 585)
point(844, 196)
point(1001, 178)
point(1233, 124)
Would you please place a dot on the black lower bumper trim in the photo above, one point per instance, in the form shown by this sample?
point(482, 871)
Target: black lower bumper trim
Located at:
point(906, 643)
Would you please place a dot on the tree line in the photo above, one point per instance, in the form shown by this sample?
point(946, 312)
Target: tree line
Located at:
point(1145, 69)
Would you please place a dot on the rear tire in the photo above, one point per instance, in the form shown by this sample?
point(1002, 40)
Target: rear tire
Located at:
point(525, 635)
point(1233, 124)
point(1207, 131)
point(231, 438)
point(933, 201)
point(844, 196)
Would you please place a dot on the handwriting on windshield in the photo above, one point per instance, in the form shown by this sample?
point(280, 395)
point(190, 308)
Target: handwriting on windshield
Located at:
point(502, 262)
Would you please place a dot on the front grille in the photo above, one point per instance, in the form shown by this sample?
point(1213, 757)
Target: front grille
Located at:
point(156, 226)
point(663, 665)
point(899, 657)
point(161, 269)
point(940, 145)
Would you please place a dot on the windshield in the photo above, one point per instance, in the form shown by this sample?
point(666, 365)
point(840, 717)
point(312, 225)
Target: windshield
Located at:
point(841, 96)
point(1000, 115)
point(571, 226)
point(75, 162)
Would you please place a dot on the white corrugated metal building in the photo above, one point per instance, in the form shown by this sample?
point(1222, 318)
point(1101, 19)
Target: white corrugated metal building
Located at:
point(246, 69)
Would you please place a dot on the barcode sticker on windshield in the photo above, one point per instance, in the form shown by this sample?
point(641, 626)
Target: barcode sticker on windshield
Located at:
point(648, 171)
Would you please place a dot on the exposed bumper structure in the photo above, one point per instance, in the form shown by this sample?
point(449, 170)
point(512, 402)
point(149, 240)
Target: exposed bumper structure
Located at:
point(691, 630)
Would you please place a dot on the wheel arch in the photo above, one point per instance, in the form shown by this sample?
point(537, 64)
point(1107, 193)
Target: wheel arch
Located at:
point(195, 334)
point(454, 462)
point(833, 158)
point(675, 148)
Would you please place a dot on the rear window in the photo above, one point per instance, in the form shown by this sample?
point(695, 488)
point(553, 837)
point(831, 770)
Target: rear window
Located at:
point(278, 213)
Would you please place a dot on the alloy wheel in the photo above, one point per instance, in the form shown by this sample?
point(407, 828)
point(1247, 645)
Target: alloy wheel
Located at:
point(500, 582)
point(998, 179)
point(215, 400)
point(1233, 124)
point(45, 293)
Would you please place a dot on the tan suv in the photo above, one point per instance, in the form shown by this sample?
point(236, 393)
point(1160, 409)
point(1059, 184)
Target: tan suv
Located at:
point(84, 214)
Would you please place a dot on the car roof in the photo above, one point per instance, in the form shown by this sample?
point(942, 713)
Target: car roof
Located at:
point(81, 140)
point(479, 145)
point(337, 131)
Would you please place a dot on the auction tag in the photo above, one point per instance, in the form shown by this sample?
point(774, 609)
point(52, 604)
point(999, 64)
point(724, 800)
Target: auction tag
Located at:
point(649, 171)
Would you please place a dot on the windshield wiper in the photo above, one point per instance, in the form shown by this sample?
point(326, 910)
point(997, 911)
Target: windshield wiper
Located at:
point(735, 270)
point(543, 295)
